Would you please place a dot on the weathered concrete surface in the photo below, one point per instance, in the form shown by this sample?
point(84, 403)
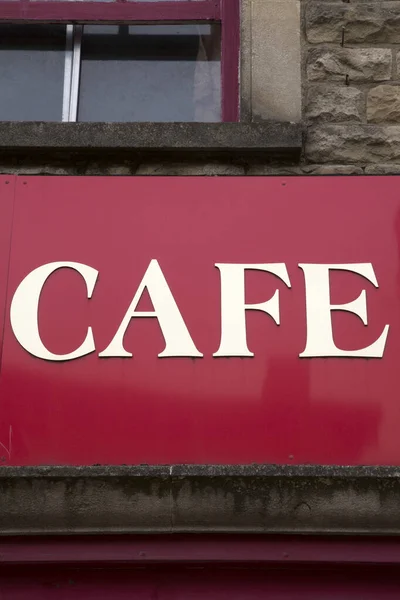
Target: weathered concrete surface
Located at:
point(22, 165)
point(276, 60)
point(67, 164)
point(252, 499)
point(246, 35)
point(152, 137)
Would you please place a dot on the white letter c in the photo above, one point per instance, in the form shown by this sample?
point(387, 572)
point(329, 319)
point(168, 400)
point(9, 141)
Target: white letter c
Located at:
point(25, 306)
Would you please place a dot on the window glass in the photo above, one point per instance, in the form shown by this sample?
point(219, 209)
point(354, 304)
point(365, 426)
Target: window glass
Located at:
point(31, 72)
point(150, 73)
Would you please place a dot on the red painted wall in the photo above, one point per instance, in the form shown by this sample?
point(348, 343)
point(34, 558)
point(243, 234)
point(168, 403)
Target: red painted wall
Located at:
point(193, 567)
point(272, 408)
point(223, 583)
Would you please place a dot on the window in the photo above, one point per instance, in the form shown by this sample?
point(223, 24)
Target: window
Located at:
point(119, 60)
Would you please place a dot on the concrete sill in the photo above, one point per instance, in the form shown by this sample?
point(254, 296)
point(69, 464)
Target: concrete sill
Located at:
point(201, 499)
point(235, 139)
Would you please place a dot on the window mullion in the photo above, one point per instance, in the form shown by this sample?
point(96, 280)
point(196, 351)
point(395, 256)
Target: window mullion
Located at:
point(75, 74)
point(67, 72)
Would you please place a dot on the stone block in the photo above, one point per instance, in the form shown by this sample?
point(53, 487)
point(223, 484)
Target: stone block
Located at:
point(185, 169)
point(353, 144)
point(337, 104)
point(259, 169)
point(333, 170)
point(299, 170)
point(383, 169)
point(276, 60)
point(366, 22)
point(15, 168)
point(109, 169)
point(359, 64)
point(383, 104)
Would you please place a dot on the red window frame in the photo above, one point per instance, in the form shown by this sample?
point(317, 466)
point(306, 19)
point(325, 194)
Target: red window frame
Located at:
point(226, 12)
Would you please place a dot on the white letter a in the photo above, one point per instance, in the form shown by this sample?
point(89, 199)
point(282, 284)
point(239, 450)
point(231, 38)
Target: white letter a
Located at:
point(177, 337)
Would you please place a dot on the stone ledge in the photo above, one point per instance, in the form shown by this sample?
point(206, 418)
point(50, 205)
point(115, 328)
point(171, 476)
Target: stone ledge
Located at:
point(255, 470)
point(202, 499)
point(209, 138)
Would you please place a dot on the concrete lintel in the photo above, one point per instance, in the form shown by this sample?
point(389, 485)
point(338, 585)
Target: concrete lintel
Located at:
point(204, 499)
point(231, 138)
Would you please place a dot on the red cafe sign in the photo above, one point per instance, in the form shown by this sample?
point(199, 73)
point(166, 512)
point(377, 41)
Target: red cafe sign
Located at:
point(179, 320)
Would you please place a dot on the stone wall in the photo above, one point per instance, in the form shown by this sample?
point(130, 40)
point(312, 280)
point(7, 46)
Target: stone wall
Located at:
point(351, 76)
